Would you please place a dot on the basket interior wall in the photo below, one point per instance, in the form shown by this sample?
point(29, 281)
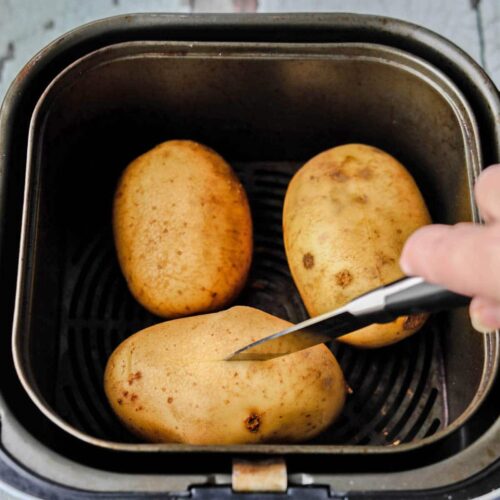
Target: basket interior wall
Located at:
point(266, 117)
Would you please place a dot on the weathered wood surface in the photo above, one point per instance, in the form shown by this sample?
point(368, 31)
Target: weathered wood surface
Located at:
point(28, 25)
point(489, 12)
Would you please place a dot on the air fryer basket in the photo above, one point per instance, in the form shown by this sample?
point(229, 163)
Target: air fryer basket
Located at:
point(40, 458)
point(267, 109)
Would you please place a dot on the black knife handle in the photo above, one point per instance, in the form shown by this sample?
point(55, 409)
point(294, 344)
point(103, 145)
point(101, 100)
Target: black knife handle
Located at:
point(423, 297)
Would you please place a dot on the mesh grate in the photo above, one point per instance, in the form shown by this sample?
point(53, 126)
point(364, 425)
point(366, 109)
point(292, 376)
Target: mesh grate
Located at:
point(398, 392)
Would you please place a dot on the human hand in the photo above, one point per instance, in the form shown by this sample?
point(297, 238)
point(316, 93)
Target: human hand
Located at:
point(466, 257)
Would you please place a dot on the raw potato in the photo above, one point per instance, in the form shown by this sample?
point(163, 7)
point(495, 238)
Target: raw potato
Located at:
point(182, 229)
point(169, 383)
point(347, 213)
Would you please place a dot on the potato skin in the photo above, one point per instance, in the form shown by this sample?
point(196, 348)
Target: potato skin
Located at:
point(169, 383)
point(347, 214)
point(182, 229)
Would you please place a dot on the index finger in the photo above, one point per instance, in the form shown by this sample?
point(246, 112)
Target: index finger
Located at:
point(464, 258)
point(487, 191)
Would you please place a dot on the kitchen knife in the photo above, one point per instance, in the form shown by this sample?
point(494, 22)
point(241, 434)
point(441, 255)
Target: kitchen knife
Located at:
point(402, 297)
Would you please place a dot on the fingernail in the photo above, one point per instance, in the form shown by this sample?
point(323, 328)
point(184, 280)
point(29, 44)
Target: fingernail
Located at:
point(477, 323)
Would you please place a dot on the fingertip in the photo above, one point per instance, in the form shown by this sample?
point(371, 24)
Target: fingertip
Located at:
point(418, 246)
point(406, 266)
point(406, 260)
point(486, 175)
point(485, 191)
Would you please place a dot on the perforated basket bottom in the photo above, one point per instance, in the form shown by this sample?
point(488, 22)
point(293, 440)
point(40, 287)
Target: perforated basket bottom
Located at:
point(398, 392)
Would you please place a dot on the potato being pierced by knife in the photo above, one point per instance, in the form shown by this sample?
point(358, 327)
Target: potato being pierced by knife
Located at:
point(170, 383)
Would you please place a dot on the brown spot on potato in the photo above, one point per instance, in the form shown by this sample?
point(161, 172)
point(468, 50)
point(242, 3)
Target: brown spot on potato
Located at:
point(134, 376)
point(362, 199)
point(252, 423)
point(327, 383)
point(308, 260)
point(343, 278)
point(384, 260)
point(170, 400)
point(133, 397)
point(413, 321)
point(125, 394)
point(365, 173)
point(349, 159)
point(337, 205)
point(338, 175)
point(119, 401)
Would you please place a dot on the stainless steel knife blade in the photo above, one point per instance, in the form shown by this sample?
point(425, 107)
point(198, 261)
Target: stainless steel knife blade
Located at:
point(409, 295)
point(311, 332)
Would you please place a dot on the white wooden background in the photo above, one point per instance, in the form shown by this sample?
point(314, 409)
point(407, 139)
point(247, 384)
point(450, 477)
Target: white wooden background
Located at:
point(28, 25)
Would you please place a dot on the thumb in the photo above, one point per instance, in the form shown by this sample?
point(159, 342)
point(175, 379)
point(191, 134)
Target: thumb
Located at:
point(484, 314)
